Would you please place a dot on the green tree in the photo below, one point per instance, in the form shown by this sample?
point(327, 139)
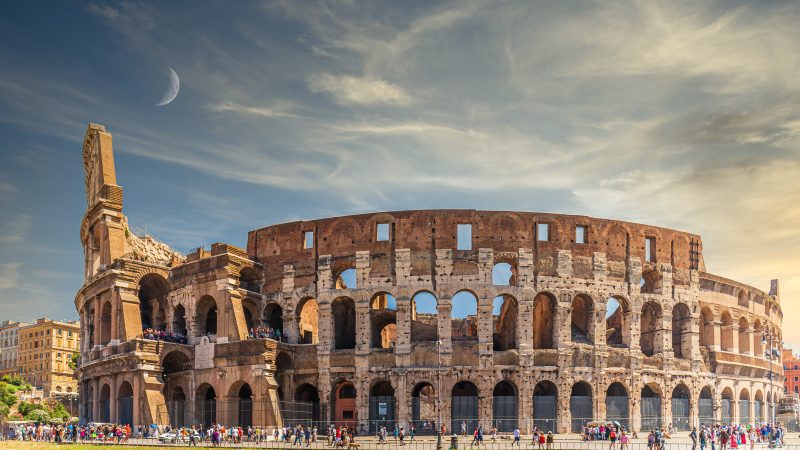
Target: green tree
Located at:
point(73, 361)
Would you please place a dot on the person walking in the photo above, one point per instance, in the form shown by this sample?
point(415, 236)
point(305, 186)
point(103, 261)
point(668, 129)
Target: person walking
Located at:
point(693, 437)
point(516, 436)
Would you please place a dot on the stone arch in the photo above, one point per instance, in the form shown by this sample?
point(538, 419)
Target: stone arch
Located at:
point(105, 323)
point(545, 404)
point(505, 406)
point(125, 404)
point(758, 406)
point(726, 333)
point(464, 316)
point(424, 317)
point(705, 406)
point(207, 316)
point(344, 404)
point(544, 312)
point(743, 299)
point(382, 405)
point(464, 406)
point(176, 361)
point(744, 406)
point(726, 405)
point(346, 279)
point(243, 408)
point(680, 407)
point(206, 405)
point(105, 404)
point(651, 281)
point(651, 329)
point(505, 314)
point(179, 319)
point(249, 280)
point(681, 331)
point(582, 319)
point(504, 274)
point(744, 335)
point(308, 320)
point(650, 407)
point(383, 320)
point(251, 310)
point(152, 293)
point(272, 317)
point(343, 323)
point(423, 408)
point(618, 316)
point(618, 404)
point(707, 326)
point(176, 405)
point(307, 397)
point(581, 405)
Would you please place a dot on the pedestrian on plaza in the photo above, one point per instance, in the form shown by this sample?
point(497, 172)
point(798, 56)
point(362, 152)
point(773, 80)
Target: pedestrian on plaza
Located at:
point(516, 436)
point(693, 437)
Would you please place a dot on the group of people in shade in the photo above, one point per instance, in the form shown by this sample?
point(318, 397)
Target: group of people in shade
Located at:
point(61, 434)
point(265, 333)
point(708, 437)
point(163, 335)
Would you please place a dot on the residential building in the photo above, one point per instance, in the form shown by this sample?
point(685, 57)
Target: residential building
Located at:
point(45, 350)
point(9, 343)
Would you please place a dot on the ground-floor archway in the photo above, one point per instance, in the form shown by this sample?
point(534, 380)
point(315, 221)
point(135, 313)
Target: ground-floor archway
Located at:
point(705, 407)
point(125, 404)
point(680, 408)
point(580, 405)
point(504, 406)
point(464, 407)
point(344, 404)
point(650, 408)
point(206, 405)
point(618, 404)
point(381, 406)
point(545, 402)
point(423, 408)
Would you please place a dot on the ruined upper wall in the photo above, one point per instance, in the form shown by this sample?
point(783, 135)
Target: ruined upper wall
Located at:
point(506, 232)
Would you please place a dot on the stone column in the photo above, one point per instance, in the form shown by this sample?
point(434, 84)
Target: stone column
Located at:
point(138, 395)
point(663, 341)
point(445, 305)
point(401, 400)
point(97, 320)
point(363, 325)
point(291, 327)
point(717, 345)
point(694, 413)
point(599, 323)
point(96, 399)
point(734, 338)
point(113, 400)
point(749, 335)
point(485, 331)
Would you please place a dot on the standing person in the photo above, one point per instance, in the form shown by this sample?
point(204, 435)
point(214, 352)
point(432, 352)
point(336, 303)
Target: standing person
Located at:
point(752, 439)
point(693, 437)
point(396, 433)
point(412, 432)
point(550, 440)
point(623, 441)
point(651, 440)
point(402, 435)
point(516, 436)
point(464, 429)
point(494, 435)
point(474, 437)
point(612, 438)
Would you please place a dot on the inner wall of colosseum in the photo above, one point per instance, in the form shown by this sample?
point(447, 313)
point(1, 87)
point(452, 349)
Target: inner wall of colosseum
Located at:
point(521, 325)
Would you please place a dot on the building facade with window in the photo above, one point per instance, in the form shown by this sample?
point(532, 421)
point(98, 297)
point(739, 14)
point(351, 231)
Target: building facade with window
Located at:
point(422, 317)
point(791, 371)
point(45, 350)
point(9, 347)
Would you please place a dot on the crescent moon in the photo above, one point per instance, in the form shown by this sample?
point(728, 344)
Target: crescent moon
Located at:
point(174, 87)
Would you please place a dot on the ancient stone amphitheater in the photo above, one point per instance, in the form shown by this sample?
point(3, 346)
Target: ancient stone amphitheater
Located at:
point(424, 317)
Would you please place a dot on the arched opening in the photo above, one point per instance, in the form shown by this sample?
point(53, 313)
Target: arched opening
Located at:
point(651, 408)
point(175, 362)
point(306, 399)
point(504, 406)
point(251, 314)
point(424, 317)
point(544, 308)
point(744, 336)
point(726, 409)
point(463, 406)
point(726, 332)
point(344, 404)
point(90, 326)
point(707, 328)
point(176, 407)
point(705, 406)
point(272, 319)
point(504, 316)
point(347, 279)
point(105, 324)
point(503, 274)
point(245, 406)
point(758, 407)
point(758, 347)
point(651, 282)
point(343, 322)
point(580, 405)
point(617, 404)
point(206, 405)
point(680, 407)
point(383, 320)
point(464, 317)
point(744, 299)
point(651, 330)
point(179, 320)
point(125, 404)
point(744, 406)
point(308, 321)
point(681, 331)
point(545, 402)
point(153, 291)
point(423, 408)
point(618, 333)
point(104, 412)
point(207, 316)
point(581, 323)
point(249, 280)
point(381, 406)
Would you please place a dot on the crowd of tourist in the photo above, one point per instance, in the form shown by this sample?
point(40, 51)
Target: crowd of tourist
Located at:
point(163, 335)
point(70, 433)
point(265, 333)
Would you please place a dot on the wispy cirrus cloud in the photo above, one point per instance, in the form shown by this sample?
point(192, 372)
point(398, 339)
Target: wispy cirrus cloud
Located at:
point(9, 275)
point(359, 90)
point(260, 111)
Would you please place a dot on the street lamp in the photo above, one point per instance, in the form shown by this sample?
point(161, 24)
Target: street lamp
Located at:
point(438, 395)
point(772, 340)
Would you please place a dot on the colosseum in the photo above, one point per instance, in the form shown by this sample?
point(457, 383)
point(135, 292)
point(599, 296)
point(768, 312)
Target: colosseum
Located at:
point(416, 317)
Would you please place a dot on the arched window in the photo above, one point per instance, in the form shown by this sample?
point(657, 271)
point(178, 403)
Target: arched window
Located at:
point(504, 317)
point(347, 279)
point(207, 315)
point(545, 401)
point(503, 274)
point(464, 406)
point(504, 406)
point(308, 320)
point(343, 316)
point(544, 311)
point(423, 408)
point(707, 325)
point(745, 336)
point(424, 317)
point(651, 329)
point(705, 406)
point(680, 407)
point(105, 324)
point(125, 404)
point(273, 318)
point(383, 320)
point(726, 414)
point(681, 331)
point(179, 320)
point(581, 319)
point(651, 407)
point(617, 404)
point(153, 291)
point(464, 316)
point(726, 332)
point(344, 404)
point(580, 405)
point(206, 407)
point(249, 280)
point(381, 406)
point(307, 397)
point(618, 313)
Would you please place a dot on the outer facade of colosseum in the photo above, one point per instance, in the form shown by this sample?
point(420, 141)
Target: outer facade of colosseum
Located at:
point(627, 325)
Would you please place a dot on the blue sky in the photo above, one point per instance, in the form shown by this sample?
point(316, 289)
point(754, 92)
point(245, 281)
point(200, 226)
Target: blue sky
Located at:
point(677, 114)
